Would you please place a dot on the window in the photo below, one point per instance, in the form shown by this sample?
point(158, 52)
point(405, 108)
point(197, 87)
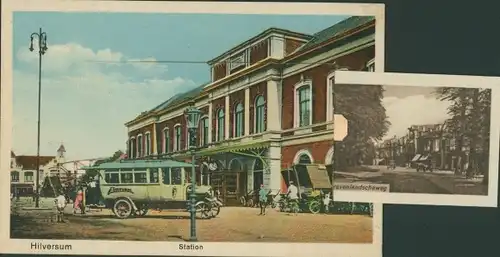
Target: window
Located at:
point(112, 176)
point(304, 106)
point(126, 177)
point(132, 148)
point(153, 175)
point(166, 175)
point(220, 125)
point(176, 176)
point(14, 176)
point(190, 140)
point(238, 120)
point(28, 176)
point(139, 146)
point(166, 140)
point(147, 144)
point(140, 177)
point(259, 114)
point(204, 131)
point(177, 137)
point(304, 159)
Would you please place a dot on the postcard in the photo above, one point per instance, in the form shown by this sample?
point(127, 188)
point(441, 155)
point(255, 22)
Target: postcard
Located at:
point(173, 128)
point(417, 138)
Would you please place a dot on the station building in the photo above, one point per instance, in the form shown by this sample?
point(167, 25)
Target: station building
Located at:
point(267, 107)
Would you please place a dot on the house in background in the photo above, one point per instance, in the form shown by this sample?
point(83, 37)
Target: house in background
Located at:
point(23, 170)
point(267, 107)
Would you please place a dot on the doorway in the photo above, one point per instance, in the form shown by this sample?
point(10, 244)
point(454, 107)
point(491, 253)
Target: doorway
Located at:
point(258, 174)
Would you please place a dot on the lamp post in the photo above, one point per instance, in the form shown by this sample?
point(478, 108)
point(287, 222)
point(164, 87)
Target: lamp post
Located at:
point(42, 49)
point(192, 115)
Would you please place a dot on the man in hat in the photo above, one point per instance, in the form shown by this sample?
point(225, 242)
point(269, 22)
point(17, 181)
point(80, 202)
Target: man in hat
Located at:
point(262, 200)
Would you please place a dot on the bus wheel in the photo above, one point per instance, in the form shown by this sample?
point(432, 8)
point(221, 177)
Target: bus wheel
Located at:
point(122, 208)
point(314, 207)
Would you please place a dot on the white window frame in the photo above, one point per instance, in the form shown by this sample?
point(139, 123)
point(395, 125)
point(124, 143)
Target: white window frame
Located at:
point(217, 136)
point(255, 114)
point(176, 147)
point(296, 120)
point(330, 112)
point(164, 142)
point(137, 146)
point(234, 120)
point(147, 143)
point(301, 152)
point(202, 128)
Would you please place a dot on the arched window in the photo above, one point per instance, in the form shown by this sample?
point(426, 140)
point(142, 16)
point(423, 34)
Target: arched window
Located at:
point(166, 140)
point(238, 120)
point(303, 111)
point(259, 114)
point(177, 137)
point(147, 143)
point(204, 131)
point(140, 145)
point(220, 125)
point(132, 148)
point(305, 159)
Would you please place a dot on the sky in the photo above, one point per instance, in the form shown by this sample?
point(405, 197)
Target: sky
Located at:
point(89, 90)
point(406, 106)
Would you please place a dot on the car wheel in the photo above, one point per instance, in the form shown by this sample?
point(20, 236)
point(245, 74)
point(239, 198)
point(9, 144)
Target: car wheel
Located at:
point(122, 208)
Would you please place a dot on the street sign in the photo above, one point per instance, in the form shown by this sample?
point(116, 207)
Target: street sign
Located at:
point(340, 125)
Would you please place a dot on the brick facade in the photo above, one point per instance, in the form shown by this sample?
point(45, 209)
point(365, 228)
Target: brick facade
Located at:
point(259, 51)
point(318, 151)
point(291, 45)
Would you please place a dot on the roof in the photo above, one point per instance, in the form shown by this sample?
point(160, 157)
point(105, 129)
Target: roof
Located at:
point(28, 162)
point(256, 38)
point(140, 164)
point(61, 149)
point(337, 29)
point(180, 97)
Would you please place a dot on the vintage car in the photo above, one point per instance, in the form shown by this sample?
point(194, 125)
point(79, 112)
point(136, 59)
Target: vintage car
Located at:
point(132, 187)
point(422, 163)
point(312, 181)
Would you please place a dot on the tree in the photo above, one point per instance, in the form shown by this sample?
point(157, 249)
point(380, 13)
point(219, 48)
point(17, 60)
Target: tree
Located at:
point(362, 107)
point(470, 112)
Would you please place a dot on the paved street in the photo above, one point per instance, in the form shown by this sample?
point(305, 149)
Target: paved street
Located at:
point(408, 180)
point(238, 224)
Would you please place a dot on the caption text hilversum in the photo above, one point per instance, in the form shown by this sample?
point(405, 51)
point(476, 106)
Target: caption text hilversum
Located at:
point(51, 247)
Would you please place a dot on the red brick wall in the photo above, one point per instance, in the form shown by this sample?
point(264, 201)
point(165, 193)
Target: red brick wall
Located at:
point(318, 75)
point(259, 51)
point(170, 125)
point(256, 90)
point(143, 130)
point(318, 151)
point(216, 105)
point(219, 71)
point(234, 99)
point(291, 45)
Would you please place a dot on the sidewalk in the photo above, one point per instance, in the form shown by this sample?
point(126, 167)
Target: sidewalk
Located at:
point(459, 185)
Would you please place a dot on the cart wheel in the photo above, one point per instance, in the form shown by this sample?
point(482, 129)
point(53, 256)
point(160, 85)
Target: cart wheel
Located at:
point(315, 207)
point(243, 201)
point(202, 211)
point(250, 203)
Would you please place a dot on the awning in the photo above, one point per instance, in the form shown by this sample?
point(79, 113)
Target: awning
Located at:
point(424, 158)
point(416, 157)
point(235, 148)
point(319, 177)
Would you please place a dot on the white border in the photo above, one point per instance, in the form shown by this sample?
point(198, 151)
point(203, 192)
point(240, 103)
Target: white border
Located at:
point(431, 80)
point(162, 248)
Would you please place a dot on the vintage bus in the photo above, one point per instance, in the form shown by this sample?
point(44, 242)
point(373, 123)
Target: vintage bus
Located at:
point(132, 187)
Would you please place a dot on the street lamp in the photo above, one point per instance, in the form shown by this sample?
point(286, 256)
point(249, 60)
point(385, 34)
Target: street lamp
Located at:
point(42, 49)
point(192, 115)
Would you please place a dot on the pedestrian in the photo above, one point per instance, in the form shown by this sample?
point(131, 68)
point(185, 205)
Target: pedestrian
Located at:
point(293, 196)
point(78, 203)
point(60, 206)
point(326, 203)
point(262, 200)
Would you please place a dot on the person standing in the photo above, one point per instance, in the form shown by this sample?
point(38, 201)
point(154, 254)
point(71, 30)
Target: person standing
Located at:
point(293, 195)
point(78, 203)
point(262, 200)
point(326, 203)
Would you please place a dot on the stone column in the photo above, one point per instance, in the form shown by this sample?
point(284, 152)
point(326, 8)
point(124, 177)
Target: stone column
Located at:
point(273, 107)
point(272, 175)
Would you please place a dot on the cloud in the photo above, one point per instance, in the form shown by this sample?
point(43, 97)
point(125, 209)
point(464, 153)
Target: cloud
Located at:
point(85, 102)
point(413, 110)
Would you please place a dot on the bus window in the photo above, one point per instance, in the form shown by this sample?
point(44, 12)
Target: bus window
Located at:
point(176, 176)
point(166, 175)
point(153, 175)
point(111, 178)
point(126, 178)
point(140, 177)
